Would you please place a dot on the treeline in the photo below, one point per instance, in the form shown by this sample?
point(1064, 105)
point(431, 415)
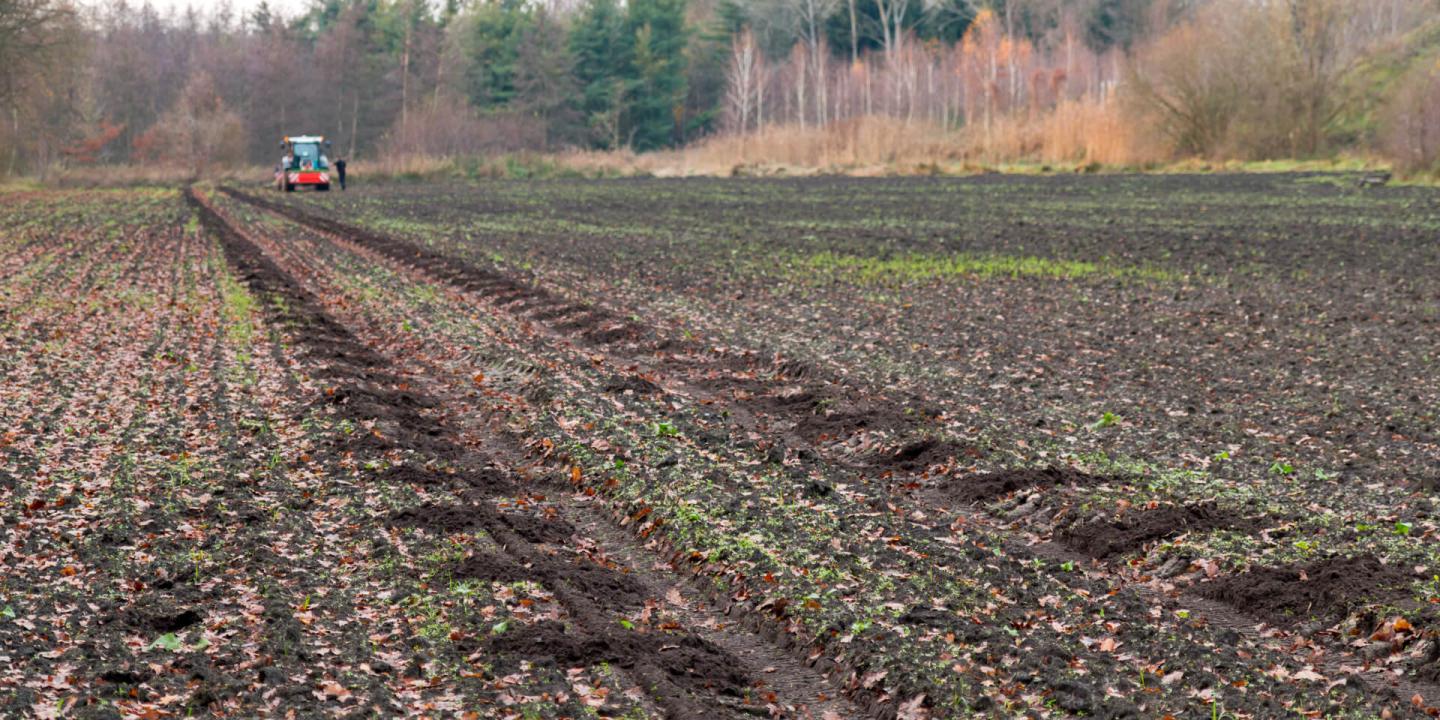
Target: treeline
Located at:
point(1295, 78)
point(1220, 79)
point(122, 83)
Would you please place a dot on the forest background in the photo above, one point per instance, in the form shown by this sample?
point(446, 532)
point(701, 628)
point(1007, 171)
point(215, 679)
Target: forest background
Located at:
point(411, 87)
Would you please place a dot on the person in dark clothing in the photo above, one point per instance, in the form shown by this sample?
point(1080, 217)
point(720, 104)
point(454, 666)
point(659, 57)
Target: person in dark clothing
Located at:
point(340, 170)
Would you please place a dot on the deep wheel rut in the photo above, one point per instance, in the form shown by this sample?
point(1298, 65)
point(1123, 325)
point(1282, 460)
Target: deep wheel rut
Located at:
point(708, 666)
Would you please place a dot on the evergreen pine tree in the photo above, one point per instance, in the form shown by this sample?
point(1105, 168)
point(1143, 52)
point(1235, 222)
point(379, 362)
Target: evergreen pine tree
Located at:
point(596, 48)
point(493, 46)
point(656, 37)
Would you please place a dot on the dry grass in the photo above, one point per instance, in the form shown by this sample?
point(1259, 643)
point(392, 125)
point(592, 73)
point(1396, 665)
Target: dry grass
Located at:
point(134, 175)
point(1078, 132)
point(600, 163)
point(575, 163)
point(870, 145)
point(407, 165)
point(1089, 135)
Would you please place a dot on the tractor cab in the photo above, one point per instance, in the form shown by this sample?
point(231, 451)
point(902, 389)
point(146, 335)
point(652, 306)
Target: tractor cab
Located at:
point(303, 164)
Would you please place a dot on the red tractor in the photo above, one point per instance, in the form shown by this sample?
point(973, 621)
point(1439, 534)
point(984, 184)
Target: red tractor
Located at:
point(304, 164)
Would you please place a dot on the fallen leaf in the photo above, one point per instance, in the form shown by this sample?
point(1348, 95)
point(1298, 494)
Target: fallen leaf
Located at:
point(674, 597)
point(870, 679)
point(913, 709)
point(335, 690)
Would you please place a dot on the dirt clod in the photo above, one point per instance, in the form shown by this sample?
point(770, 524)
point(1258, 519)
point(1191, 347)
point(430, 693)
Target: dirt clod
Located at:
point(438, 518)
point(984, 486)
point(1103, 538)
point(554, 531)
point(920, 455)
point(1326, 589)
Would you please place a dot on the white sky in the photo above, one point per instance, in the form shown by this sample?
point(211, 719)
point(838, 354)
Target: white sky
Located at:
point(238, 8)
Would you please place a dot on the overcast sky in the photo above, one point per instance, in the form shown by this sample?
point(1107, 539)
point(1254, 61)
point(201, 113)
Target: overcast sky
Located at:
point(287, 8)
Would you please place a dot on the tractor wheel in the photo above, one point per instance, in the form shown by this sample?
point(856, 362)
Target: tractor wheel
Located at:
point(289, 187)
point(323, 187)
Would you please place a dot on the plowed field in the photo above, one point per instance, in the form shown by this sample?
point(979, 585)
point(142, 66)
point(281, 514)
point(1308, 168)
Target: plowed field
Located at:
point(1121, 447)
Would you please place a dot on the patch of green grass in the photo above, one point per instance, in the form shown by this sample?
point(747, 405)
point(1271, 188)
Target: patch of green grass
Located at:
point(239, 310)
point(916, 267)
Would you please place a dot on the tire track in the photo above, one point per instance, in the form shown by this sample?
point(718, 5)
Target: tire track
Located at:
point(659, 662)
point(506, 293)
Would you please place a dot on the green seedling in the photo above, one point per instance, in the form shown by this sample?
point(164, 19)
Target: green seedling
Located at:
point(197, 557)
point(1106, 420)
point(168, 641)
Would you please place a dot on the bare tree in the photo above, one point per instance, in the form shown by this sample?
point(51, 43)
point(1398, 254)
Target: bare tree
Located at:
point(198, 133)
point(854, 34)
point(32, 35)
point(341, 56)
point(799, 75)
point(1411, 124)
point(39, 40)
point(810, 21)
point(1320, 57)
point(273, 101)
point(1195, 81)
point(892, 25)
point(983, 51)
point(743, 91)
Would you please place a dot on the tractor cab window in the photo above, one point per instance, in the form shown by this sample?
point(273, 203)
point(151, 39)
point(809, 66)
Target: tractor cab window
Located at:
point(307, 156)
